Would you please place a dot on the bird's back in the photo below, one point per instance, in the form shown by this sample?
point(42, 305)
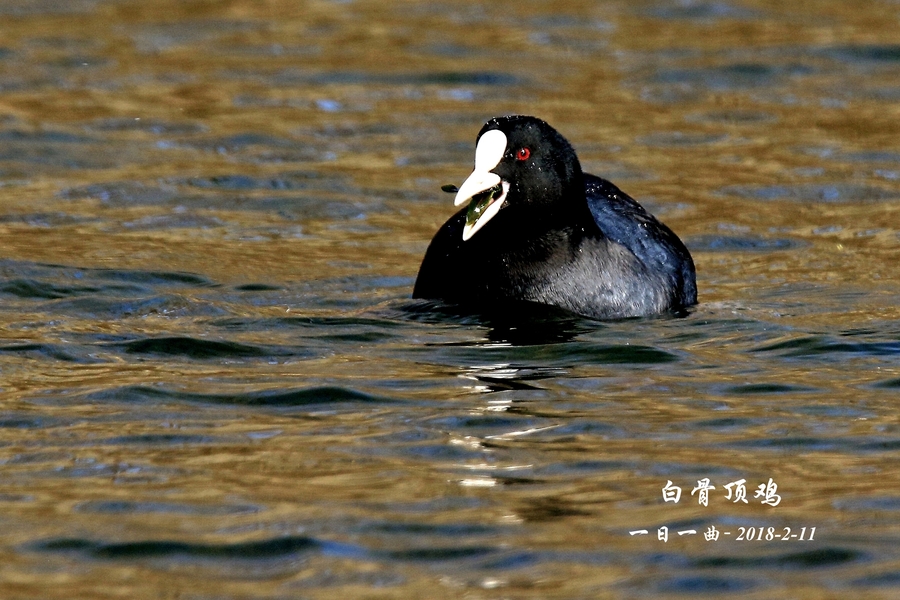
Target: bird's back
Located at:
point(621, 219)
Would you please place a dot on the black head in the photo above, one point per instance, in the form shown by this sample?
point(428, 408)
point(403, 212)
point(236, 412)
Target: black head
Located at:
point(524, 171)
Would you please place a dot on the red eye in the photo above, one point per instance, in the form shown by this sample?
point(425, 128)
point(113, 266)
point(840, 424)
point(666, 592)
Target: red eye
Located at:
point(523, 154)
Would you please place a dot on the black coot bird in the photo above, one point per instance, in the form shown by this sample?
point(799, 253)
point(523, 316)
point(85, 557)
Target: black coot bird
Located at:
point(538, 229)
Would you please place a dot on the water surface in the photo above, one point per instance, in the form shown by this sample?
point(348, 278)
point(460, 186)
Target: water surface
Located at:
point(215, 384)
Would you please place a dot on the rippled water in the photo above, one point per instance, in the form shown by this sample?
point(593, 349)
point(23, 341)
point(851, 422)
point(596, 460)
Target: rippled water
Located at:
point(215, 385)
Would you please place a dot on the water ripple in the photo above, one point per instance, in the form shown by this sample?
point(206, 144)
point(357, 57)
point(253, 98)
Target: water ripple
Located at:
point(129, 506)
point(51, 351)
point(200, 349)
point(818, 558)
point(866, 54)
point(265, 549)
point(725, 243)
point(837, 192)
point(271, 397)
point(817, 346)
point(707, 584)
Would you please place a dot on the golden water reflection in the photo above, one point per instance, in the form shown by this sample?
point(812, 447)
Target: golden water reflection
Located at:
point(214, 382)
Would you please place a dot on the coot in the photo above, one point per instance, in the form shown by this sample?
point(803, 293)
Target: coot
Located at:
point(535, 228)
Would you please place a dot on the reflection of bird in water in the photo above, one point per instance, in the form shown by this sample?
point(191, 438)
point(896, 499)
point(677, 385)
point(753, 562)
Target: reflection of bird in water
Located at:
point(504, 377)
